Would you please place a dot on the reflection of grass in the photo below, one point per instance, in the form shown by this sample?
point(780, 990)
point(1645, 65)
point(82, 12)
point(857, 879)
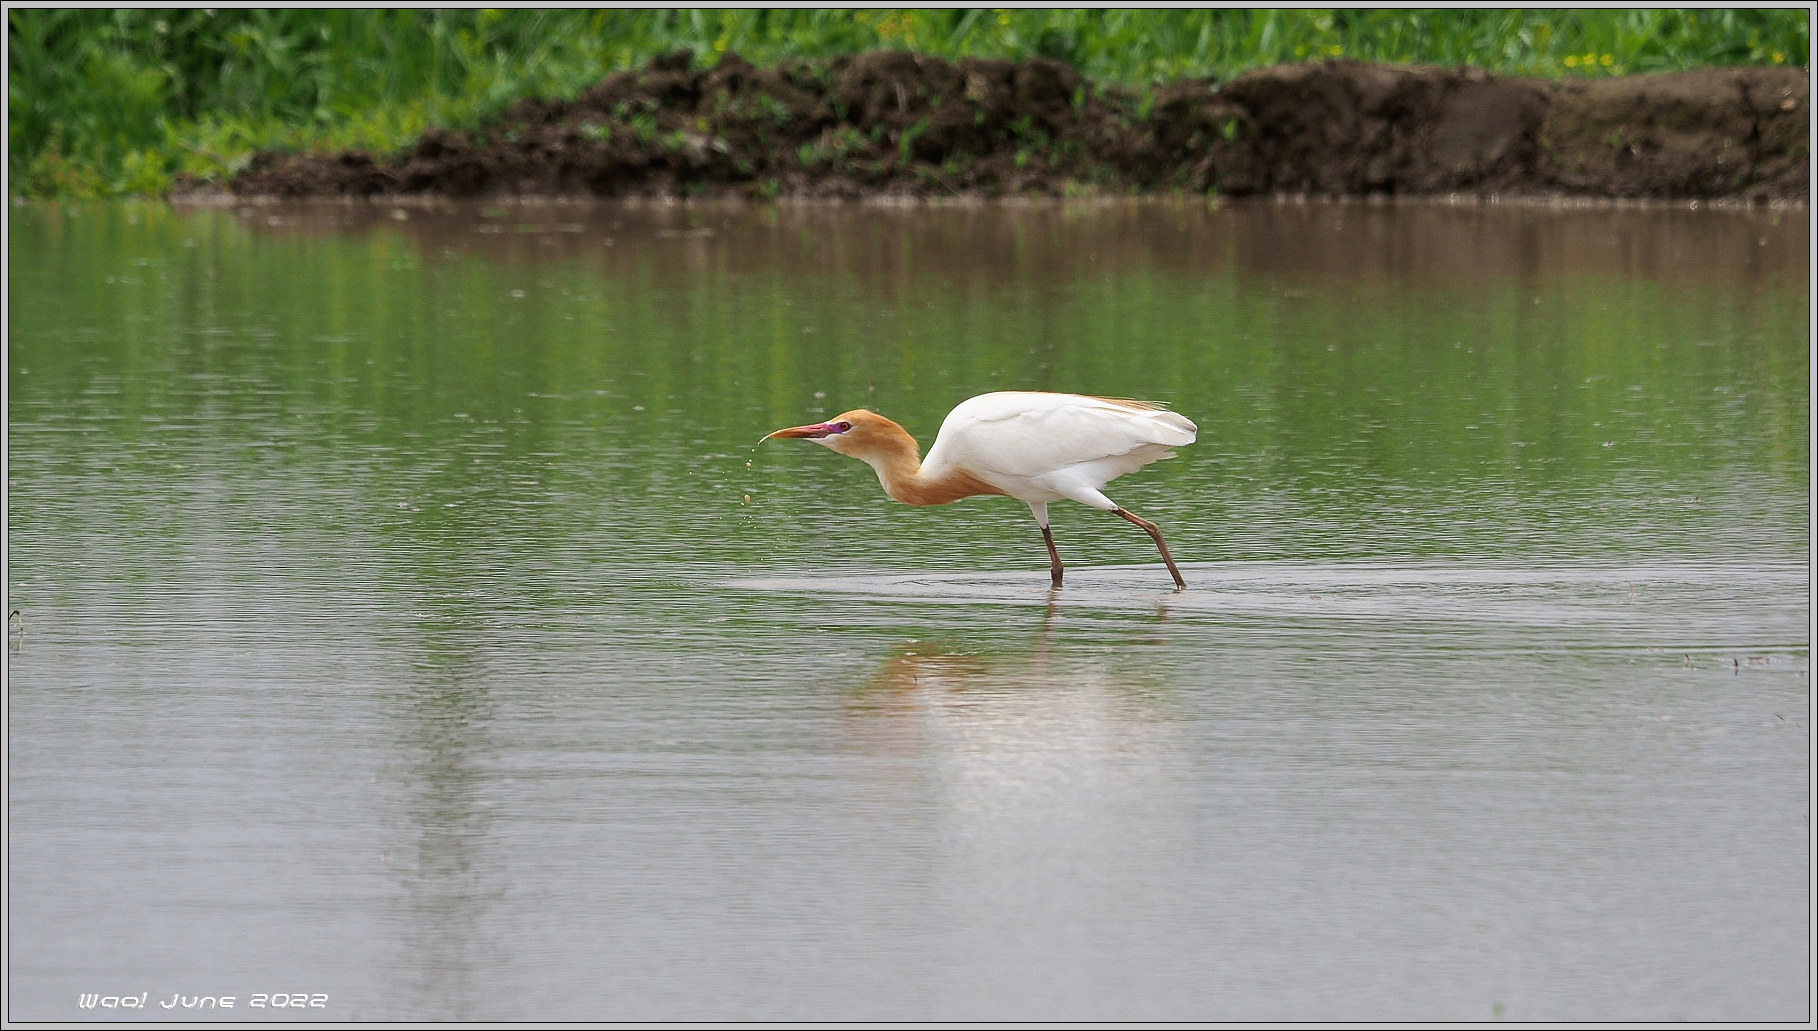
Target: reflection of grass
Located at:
point(1437, 412)
point(118, 101)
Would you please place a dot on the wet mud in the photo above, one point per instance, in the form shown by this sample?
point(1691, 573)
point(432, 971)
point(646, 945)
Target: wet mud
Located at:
point(892, 124)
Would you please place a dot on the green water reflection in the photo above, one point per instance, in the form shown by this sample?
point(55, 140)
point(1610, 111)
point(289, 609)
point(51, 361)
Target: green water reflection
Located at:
point(579, 386)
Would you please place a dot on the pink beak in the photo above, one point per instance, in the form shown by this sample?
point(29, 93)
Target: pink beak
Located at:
point(814, 432)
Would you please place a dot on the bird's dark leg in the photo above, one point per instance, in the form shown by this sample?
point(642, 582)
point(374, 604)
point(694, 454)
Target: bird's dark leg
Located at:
point(1155, 532)
point(1053, 555)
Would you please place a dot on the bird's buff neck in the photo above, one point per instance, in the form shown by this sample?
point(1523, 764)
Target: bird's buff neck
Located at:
point(893, 454)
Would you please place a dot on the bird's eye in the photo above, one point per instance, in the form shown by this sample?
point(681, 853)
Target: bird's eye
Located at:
point(842, 426)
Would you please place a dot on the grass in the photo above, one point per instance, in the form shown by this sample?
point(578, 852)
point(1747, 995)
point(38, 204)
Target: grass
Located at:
point(106, 102)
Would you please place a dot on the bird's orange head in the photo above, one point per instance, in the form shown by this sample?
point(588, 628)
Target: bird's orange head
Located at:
point(858, 433)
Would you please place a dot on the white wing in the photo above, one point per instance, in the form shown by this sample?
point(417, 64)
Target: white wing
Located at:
point(1039, 446)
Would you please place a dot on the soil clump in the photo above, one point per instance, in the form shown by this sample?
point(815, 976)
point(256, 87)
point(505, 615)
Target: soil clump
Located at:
point(894, 124)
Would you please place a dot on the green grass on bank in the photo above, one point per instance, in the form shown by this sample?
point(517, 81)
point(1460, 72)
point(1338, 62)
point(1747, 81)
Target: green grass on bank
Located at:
point(107, 102)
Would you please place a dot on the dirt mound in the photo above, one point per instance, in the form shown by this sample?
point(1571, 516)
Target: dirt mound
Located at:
point(891, 123)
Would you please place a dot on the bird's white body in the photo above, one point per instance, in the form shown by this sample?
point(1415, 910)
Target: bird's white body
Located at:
point(1040, 447)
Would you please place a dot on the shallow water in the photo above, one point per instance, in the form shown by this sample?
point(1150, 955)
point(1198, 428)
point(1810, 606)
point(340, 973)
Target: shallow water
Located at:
point(408, 620)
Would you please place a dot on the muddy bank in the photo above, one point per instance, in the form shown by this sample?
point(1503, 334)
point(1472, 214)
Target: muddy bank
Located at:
point(894, 124)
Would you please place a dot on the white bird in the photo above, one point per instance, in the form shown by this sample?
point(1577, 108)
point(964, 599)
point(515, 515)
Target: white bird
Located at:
point(1032, 446)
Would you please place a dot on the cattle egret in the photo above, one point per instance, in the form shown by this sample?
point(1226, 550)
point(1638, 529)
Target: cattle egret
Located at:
point(1034, 447)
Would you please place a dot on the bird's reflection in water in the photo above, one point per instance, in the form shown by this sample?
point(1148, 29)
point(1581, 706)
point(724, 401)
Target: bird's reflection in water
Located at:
point(1043, 794)
point(1066, 708)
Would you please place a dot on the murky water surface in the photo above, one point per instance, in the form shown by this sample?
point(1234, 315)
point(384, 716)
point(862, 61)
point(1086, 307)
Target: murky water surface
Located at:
point(408, 626)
